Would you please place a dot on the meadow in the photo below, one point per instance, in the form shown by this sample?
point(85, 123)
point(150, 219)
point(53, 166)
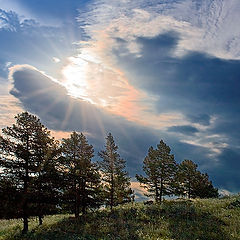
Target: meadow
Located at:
point(198, 219)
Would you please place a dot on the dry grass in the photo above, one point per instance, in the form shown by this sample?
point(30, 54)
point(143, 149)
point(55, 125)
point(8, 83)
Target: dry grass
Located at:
point(210, 219)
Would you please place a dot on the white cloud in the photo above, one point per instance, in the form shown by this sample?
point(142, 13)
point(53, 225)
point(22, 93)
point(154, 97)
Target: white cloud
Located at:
point(12, 14)
point(206, 26)
point(56, 60)
point(224, 192)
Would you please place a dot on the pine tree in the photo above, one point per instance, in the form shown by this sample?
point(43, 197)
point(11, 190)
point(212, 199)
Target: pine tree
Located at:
point(115, 178)
point(203, 187)
point(193, 183)
point(187, 176)
point(160, 169)
point(82, 179)
point(46, 185)
point(20, 157)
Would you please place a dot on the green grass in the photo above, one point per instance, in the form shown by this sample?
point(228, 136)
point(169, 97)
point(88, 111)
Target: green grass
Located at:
point(210, 219)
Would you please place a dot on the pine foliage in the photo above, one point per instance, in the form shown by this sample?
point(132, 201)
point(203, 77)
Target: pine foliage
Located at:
point(115, 178)
point(160, 169)
point(82, 185)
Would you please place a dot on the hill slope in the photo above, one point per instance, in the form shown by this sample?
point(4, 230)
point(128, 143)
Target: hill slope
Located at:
point(211, 219)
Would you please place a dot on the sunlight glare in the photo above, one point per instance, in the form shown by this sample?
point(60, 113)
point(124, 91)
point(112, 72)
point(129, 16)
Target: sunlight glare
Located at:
point(75, 78)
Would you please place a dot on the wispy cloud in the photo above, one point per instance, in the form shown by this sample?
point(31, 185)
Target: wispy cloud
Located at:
point(203, 26)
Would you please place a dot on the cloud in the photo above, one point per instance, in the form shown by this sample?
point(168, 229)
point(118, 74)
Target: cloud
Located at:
point(201, 87)
point(39, 94)
point(228, 165)
point(27, 41)
point(186, 130)
point(203, 119)
point(56, 60)
point(203, 26)
point(138, 191)
point(7, 20)
point(203, 78)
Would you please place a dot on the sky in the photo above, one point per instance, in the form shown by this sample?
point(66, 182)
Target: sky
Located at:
point(142, 70)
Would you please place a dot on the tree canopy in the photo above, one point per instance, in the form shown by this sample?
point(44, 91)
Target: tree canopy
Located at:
point(160, 169)
point(115, 178)
point(82, 184)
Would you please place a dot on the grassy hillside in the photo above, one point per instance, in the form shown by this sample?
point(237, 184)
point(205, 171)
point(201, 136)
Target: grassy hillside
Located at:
point(211, 219)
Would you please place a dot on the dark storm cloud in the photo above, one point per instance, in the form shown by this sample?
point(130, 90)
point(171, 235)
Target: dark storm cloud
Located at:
point(203, 119)
point(226, 171)
point(186, 130)
point(201, 87)
point(196, 80)
point(197, 85)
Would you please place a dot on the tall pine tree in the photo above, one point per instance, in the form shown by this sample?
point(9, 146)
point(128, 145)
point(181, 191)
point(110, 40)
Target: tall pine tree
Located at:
point(186, 177)
point(20, 157)
point(160, 169)
point(115, 178)
point(82, 179)
point(46, 185)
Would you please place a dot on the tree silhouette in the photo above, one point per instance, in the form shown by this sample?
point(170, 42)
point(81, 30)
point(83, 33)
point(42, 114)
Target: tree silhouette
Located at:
point(46, 185)
point(204, 188)
point(20, 157)
point(193, 183)
point(115, 178)
point(160, 169)
point(186, 177)
point(82, 179)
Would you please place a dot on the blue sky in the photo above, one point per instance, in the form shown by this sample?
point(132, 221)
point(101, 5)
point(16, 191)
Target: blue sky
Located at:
point(143, 70)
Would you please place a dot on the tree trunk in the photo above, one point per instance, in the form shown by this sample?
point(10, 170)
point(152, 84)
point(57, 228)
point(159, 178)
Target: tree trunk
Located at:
point(84, 207)
point(25, 210)
point(189, 189)
point(161, 192)
point(112, 190)
point(25, 192)
point(156, 193)
point(111, 198)
point(25, 224)
point(77, 206)
point(40, 220)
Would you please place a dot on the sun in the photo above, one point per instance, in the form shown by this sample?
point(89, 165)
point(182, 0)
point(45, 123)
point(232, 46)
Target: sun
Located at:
point(75, 80)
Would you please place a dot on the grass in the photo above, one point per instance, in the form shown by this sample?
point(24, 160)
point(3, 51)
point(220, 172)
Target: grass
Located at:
point(210, 219)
